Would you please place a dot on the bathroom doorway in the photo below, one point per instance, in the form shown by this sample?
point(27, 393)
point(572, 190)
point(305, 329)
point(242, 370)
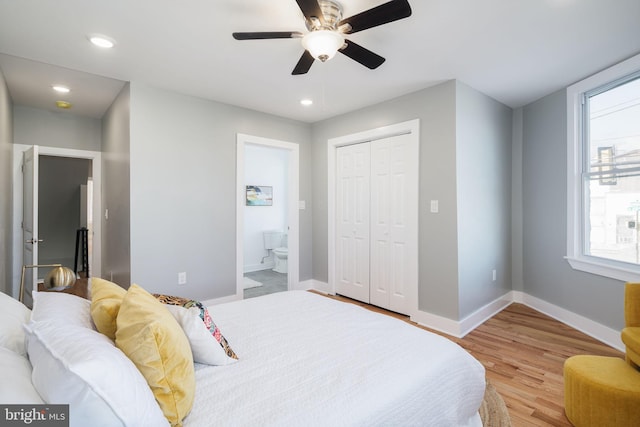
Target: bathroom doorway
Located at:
point(267, 219)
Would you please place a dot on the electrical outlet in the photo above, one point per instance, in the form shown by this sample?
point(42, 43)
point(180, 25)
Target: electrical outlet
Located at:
point(494, 275)
point(182, 278)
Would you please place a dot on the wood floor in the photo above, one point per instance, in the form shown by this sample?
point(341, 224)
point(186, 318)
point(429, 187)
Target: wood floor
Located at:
point(523, 352)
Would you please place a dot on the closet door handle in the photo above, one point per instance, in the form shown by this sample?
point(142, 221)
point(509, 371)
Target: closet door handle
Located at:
point(33, 241)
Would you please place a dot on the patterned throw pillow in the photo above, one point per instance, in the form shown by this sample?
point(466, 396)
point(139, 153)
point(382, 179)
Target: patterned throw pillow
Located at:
point(204, 316)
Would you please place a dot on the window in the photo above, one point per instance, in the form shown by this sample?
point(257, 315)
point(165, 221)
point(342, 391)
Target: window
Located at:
point(604, 172)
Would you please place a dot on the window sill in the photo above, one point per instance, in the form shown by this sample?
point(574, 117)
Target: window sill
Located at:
point(606, 269)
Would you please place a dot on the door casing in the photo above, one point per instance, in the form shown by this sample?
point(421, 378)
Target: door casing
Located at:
point(411, 127)
point(293, 208)
point(96, 165)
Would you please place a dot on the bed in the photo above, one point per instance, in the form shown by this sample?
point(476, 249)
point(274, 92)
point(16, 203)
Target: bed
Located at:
point(303, 359)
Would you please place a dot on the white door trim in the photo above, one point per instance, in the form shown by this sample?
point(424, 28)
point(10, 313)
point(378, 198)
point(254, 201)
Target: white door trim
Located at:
point(294, 232)
point(411, 127)
point(96, 164)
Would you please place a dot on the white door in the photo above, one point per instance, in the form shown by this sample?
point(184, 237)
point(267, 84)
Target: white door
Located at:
point(352, 221)
point(30, 220)
point(394, 223)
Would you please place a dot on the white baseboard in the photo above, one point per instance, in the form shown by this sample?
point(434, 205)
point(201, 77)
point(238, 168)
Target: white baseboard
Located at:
point(594, 329)
point(221, 300)
point(460, 328)
point(482, 314)
point(438, 323)
point(258, 267)
point(305, 285)
point(319, 286)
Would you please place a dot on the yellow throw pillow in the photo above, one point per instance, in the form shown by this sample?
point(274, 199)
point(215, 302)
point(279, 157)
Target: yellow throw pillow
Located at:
point(106, 298)
point(149, 335)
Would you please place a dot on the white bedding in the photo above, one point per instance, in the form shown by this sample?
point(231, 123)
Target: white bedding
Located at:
point(307, 360)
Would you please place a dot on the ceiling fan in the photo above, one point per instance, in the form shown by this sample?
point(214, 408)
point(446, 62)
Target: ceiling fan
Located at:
point(323, 19)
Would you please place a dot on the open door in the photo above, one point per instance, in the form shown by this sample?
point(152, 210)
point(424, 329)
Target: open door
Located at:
point(30, 221)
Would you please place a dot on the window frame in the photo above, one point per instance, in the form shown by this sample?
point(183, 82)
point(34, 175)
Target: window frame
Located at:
point(576, 208)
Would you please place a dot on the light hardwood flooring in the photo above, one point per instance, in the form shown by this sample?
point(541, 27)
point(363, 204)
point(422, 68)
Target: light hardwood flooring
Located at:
point(523, 352)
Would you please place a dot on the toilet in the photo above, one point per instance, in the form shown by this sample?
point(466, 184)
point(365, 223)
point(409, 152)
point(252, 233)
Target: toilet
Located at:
point(282, 253)
point(276, 241)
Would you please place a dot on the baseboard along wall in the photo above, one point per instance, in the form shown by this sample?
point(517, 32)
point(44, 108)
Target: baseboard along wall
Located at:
point(460, 328)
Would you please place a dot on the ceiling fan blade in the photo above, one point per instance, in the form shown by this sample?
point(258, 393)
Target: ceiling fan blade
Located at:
point(360, 54)
point(304, 64)
point(383, 14)
point(267, 35)
point(311, 9)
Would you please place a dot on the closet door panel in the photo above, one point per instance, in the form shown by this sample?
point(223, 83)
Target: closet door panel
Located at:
point(380, 226)
point(353, 249)
point(404, 224)
point(394, 222)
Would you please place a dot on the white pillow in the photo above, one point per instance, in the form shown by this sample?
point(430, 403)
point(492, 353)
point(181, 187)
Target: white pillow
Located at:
point(61, 308)
point(83, 368)
point(15, 371)
point(13, 314)
point(205, 348)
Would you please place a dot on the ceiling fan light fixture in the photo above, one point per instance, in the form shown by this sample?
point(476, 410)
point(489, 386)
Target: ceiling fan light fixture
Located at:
point(61, 89)
point(323, 44)
point(101, 41)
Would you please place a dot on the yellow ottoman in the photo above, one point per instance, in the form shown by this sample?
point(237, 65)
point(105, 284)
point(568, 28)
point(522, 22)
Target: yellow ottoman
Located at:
point(601, 391)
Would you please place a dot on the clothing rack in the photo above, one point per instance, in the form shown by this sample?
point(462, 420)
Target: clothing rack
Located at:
point(82, 243)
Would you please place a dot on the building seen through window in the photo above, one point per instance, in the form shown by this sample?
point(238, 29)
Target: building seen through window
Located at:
point(611, 179)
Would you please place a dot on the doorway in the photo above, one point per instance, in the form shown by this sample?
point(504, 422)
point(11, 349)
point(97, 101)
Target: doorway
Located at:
point(57, 208)
point(267, 216)
point(64, 183)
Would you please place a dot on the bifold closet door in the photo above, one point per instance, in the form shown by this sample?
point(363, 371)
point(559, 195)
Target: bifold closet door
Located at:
point(352, 221)
point(394, 207)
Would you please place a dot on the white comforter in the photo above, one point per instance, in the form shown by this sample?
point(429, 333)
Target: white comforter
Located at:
point(307, 360)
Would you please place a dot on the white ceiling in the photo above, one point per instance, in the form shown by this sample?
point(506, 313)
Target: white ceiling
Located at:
point(515, 51)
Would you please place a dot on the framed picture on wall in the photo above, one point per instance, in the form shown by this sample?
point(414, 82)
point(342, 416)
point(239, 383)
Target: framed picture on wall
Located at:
point(259, 195)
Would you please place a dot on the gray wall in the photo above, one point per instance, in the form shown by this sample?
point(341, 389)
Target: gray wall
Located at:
point(6, 189)
point(483, 153)
point(183, 199)
point(547, 275)
point(438, 238)
point(517, 278)
point(33, 126)
point(116, 236)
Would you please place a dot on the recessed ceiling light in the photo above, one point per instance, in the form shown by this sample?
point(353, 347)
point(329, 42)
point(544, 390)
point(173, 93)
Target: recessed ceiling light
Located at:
point(102, 41)
point(306, 102)
point(61, 89)
point(63, 104)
